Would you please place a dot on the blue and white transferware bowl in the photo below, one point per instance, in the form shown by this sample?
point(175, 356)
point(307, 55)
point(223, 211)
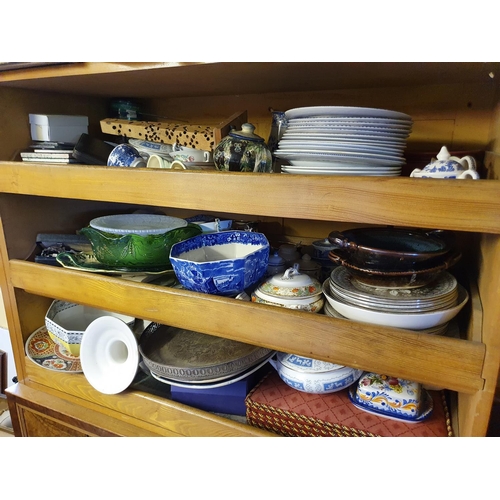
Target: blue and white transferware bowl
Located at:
point(317, 382)
point(392, 397)
point(223, 263)
point(125, 155)
point(304, 364)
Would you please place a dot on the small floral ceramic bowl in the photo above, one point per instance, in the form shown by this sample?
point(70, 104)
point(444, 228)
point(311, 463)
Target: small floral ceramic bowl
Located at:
point(392, 397)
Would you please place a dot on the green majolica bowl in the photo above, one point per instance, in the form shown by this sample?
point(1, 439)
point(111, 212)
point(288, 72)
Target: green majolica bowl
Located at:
point(133, 251)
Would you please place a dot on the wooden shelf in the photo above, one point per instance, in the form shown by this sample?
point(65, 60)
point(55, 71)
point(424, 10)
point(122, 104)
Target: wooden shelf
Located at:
point(437, 203)
point(177, 79)
point(452, 363)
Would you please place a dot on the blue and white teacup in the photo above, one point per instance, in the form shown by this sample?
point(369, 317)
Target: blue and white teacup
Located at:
point(125, 155)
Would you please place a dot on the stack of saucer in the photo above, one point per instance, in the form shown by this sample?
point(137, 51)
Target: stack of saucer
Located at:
point(336, 140)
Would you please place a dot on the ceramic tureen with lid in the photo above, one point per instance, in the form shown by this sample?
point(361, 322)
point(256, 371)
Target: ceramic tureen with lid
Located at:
point(292, 289)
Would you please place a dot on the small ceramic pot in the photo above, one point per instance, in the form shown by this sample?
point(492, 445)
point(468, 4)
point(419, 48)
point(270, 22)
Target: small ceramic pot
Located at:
point(276, 265)
point(243, 151)
point(125, 155)
point(446, 166)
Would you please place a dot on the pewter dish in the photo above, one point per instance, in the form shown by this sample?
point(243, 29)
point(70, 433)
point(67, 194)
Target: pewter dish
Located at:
point(216, 384)
point(188, 356)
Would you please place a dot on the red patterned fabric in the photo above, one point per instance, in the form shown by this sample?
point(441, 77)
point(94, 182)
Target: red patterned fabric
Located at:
point(277, 407)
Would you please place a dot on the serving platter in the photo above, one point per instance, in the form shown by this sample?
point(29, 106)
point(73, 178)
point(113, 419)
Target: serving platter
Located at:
point(85, 261)
point(214, 385)
point(187, 356)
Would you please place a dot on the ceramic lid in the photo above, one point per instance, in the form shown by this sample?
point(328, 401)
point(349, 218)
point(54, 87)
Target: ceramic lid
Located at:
point(276, 259)
point(306, 365)
point(307, 264)
point(290, 284)
point(246, 132)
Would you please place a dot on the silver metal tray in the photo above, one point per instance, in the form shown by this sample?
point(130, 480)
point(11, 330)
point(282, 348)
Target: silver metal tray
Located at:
point(188, 356)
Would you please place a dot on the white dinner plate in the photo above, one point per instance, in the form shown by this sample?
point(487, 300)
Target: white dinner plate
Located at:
point(329, 155)
point(137, 223)
point(360, 131)
point(390, 127)
point(352, 119)
point(109, 355)
point(343, 167)
point(333, 136)
point(341, 146)
point(312, 171)
point(339, 163)
point(343, 111)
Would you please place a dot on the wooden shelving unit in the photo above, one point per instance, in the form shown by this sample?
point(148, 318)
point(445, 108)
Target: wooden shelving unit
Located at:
point(53, 198)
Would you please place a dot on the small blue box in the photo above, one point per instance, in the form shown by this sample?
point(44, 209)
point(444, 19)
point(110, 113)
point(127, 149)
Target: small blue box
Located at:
point(229, 399)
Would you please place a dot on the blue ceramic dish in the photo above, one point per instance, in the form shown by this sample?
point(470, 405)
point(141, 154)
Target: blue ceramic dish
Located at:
point(223, 263)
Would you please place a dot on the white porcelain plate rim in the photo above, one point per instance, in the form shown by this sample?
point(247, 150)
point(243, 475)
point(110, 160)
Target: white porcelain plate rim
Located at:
point(313, 171)
point(307, 135)
point(352, 119)
point(325, 146)
point(344, 111)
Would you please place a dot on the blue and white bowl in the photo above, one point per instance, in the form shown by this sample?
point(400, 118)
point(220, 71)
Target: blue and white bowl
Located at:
point(223, 263)
point(125, 155)
point(317, 382)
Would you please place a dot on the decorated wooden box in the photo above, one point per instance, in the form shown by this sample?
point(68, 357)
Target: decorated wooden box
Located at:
point(197, 136)
point(274, 406)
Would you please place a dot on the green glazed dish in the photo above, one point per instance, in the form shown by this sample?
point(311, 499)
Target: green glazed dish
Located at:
point(133, 251)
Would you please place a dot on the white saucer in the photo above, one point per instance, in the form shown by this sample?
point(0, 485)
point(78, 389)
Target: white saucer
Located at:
point(109, 355)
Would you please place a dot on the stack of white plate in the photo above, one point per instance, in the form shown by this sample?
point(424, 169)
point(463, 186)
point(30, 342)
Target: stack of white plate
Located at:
point(335, 140)
point(419, 308)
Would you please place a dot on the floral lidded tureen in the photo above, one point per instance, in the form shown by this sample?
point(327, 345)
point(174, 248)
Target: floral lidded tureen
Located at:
point(292, 289)
point(446, 166)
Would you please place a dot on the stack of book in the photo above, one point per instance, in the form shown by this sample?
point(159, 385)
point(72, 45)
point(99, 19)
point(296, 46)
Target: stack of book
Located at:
point(49, 152)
